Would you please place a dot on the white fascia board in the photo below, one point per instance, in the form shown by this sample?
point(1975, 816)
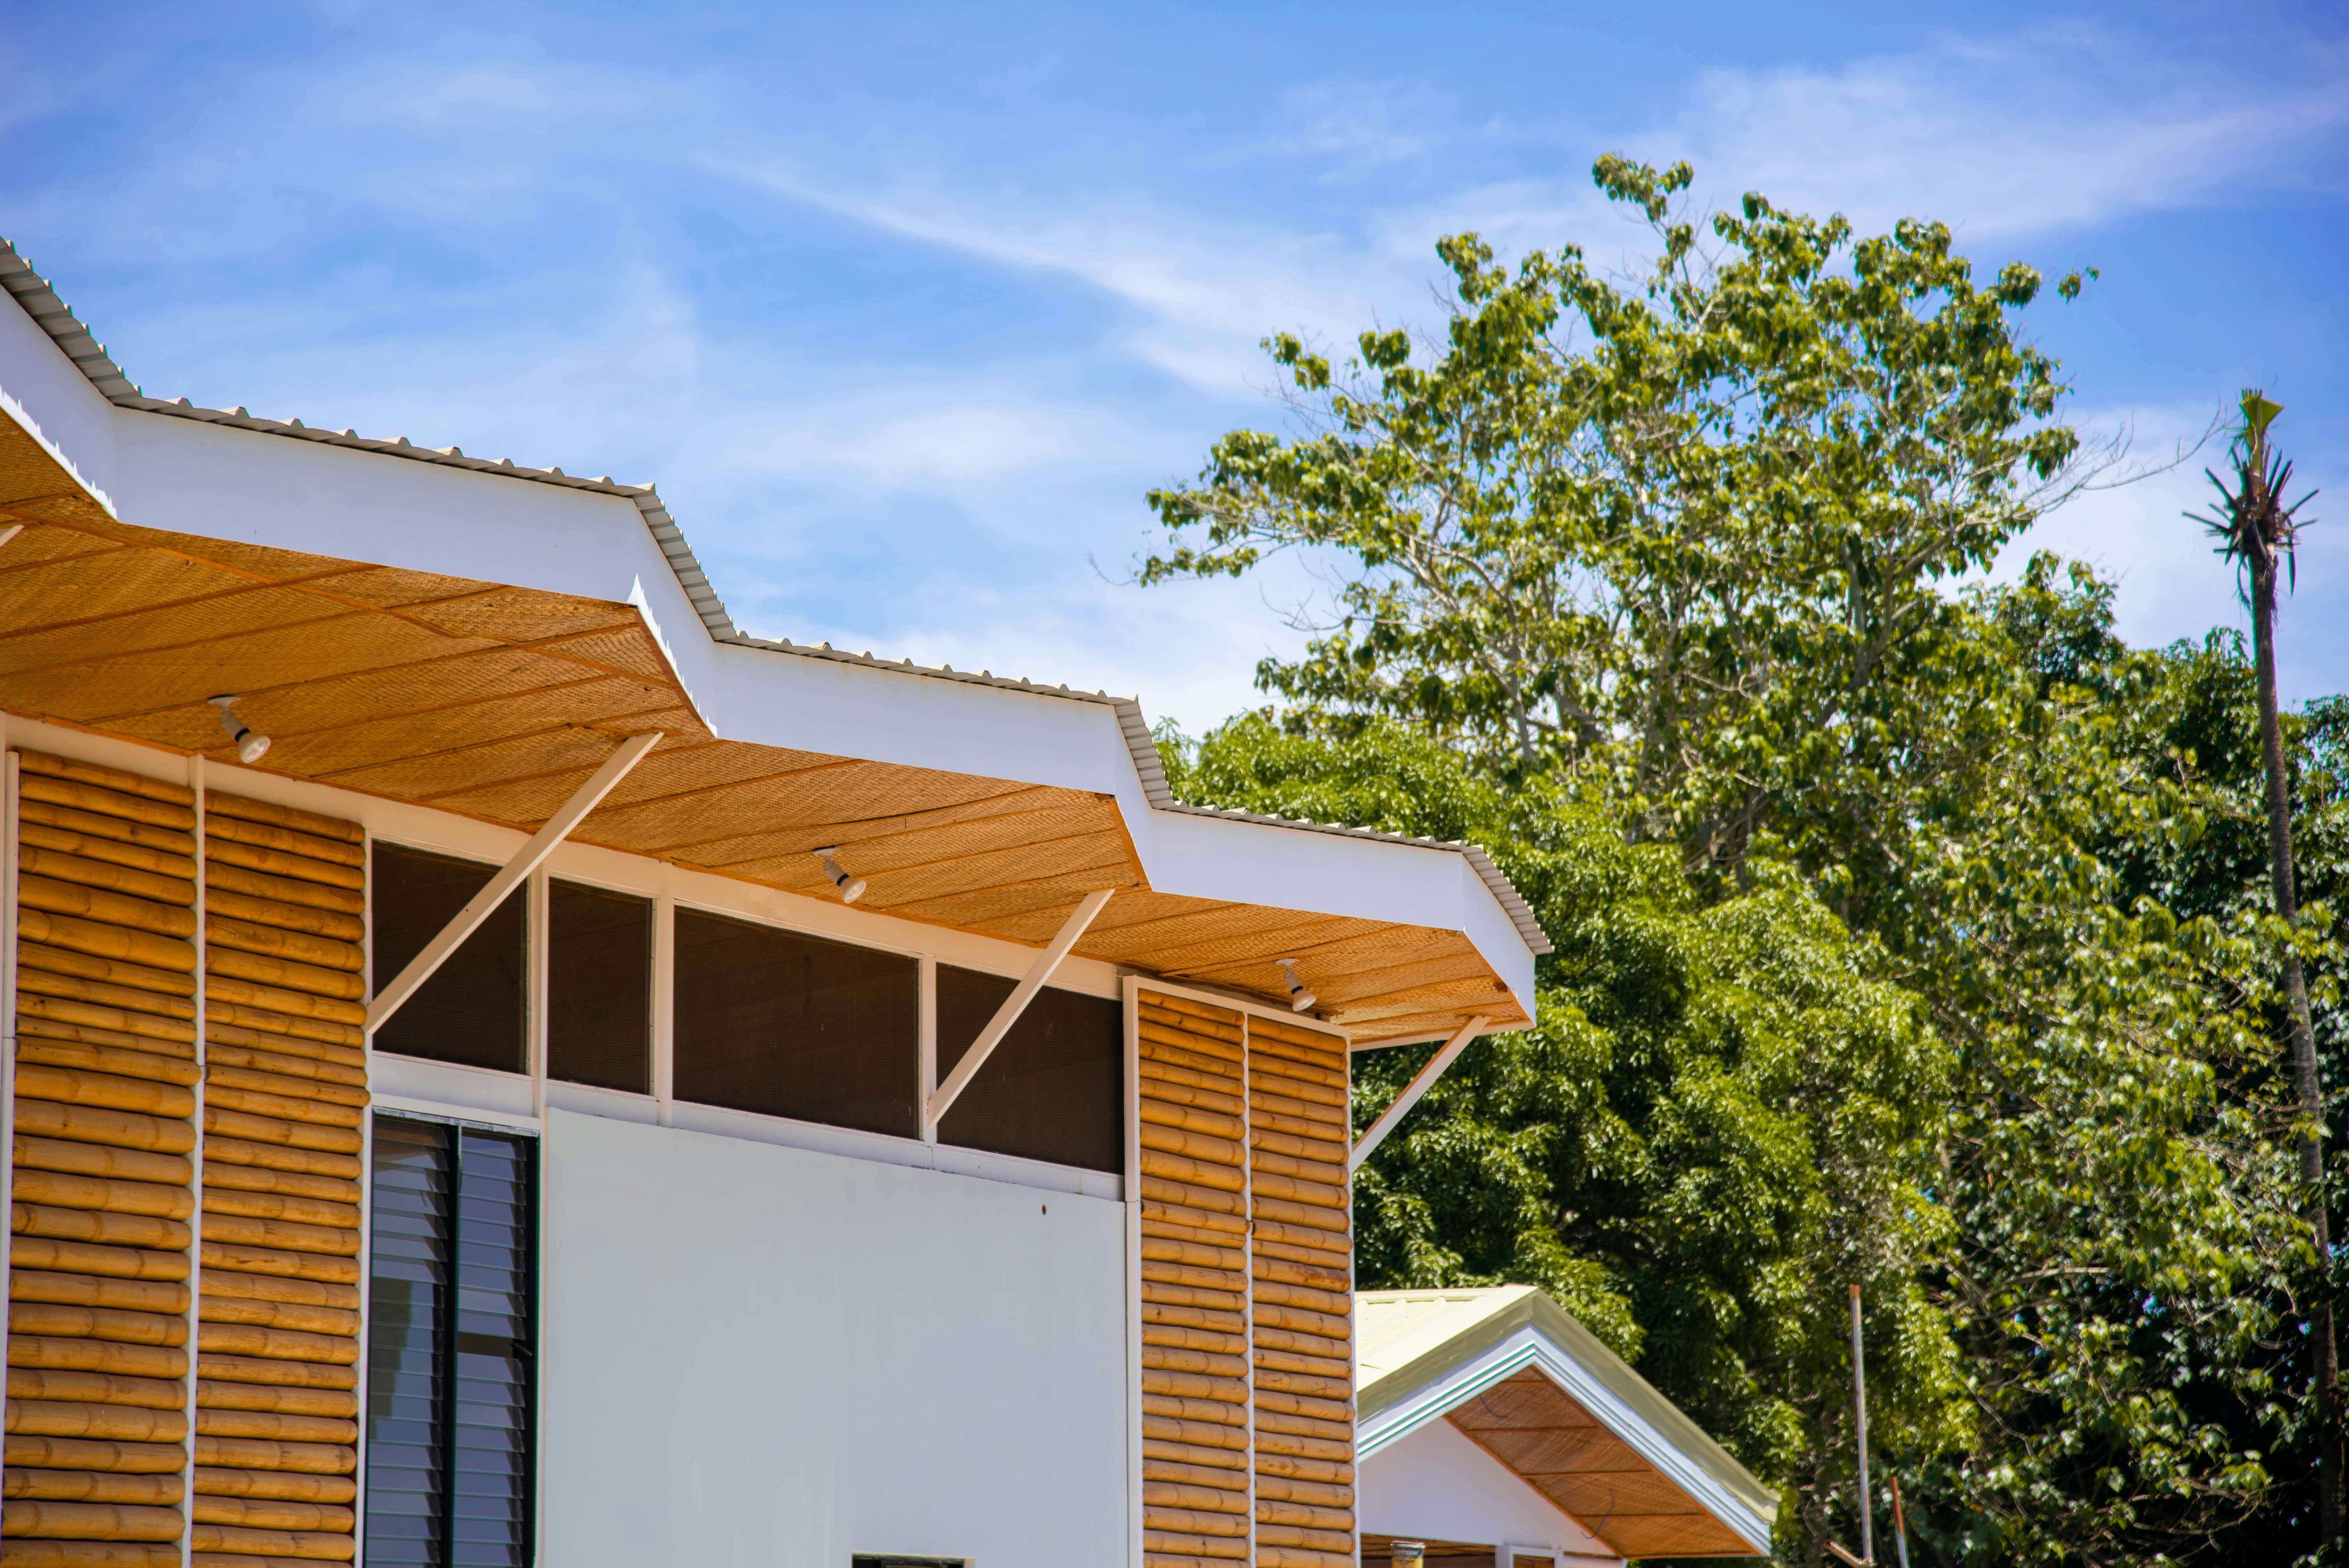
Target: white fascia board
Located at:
point(1373, 879)
point(48, 395)
point(1528, 1347)
point(918, 720)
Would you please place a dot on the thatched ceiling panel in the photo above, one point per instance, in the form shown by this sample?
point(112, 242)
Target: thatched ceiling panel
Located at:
point(333, 752)
point(627, 647)
point(78, 588)
point(521, 615)
point(244, 614)
point(137, 693)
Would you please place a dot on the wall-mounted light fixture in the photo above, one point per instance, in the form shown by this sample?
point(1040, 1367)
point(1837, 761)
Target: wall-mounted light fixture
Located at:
point(1299, 998)
point(851, 888)
point(250, 745)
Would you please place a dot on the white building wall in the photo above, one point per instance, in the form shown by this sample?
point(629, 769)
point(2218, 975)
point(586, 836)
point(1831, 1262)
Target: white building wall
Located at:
point(753, 1356)
point(1435, 1484)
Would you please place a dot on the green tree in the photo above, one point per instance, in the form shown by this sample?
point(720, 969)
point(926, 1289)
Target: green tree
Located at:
point(1691, 553)
point(1719, 1120)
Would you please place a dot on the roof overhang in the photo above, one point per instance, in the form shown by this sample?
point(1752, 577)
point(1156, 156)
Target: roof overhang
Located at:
point(1539, 1392)
point(475, 637)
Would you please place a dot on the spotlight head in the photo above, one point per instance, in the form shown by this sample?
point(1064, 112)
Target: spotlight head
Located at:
point(251, 746)
point(851, 888)
point(1299, 998)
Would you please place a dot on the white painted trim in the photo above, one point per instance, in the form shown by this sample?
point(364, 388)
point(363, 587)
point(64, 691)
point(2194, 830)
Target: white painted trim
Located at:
point(195, 781)
point(537, 939)
point(1529, 1348)
point(1390, 1117)
point(442, 1110)
point(585, 799)
point(664, 1008)
point(926, 1045)
point(935, 1108)
point(8, 778)
point(1132, 1111)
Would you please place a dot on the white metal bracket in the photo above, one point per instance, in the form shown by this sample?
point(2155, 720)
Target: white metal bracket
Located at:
point(583, 800)
point(935, 1110)
point(1411, 1091)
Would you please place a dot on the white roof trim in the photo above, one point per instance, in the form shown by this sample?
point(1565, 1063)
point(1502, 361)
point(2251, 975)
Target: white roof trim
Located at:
point(1529, 1348)
point(40, 302)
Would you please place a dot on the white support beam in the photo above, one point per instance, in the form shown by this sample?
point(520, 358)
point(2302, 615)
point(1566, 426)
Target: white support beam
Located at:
point(585, 799)
point(935, 1109)
point(1411, 1091)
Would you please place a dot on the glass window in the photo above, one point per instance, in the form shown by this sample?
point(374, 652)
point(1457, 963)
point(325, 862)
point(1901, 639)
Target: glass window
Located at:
point(599, 988)
point(1053, 1088)
point(787, 1025)
point(470, 1011)
point(450, 1326)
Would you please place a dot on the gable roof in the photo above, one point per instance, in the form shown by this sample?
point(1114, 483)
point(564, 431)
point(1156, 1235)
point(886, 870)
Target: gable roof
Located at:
point(1224, 950)
point(1539, 1392)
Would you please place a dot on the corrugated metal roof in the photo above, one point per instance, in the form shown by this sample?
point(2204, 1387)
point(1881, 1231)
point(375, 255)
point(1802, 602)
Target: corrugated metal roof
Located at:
point(40, 301)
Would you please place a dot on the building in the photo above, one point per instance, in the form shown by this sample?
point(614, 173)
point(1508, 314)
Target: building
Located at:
point(1495, 1428)
point(506, 1069)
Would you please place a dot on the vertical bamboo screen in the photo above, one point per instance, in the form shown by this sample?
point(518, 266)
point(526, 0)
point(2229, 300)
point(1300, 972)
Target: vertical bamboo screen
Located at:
point(104, 1218)
point(98, 1221)
point(1246, 1351)
point(1302, 1265)
point(277, 1345)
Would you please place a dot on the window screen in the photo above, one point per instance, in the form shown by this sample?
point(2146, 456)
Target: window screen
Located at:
point(787, 1025)
point(1054, 1088)
point(450, 1332)
point(470, 1011)
point(599, 988)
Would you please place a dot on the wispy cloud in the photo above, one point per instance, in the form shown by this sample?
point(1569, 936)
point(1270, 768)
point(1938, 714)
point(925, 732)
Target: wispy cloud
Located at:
point(2058, 128)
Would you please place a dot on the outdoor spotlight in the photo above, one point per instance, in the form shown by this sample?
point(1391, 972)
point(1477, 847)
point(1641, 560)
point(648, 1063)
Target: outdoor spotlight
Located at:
point(251, 746)
point(851, 888)
point(1299, 998)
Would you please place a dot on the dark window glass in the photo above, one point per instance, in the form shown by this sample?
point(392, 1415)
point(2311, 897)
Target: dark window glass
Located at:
point(599, 988)
point(787, 1025)
point(1053, 1088)
point(450, 1332)
point(470, 1011)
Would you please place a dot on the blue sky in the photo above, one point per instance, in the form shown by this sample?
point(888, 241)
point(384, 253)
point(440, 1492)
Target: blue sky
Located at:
point(905, 307)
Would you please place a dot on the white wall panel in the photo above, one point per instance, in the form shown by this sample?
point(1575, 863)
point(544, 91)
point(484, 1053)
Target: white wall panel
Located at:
point(754, 1355)
point(1435, 1484)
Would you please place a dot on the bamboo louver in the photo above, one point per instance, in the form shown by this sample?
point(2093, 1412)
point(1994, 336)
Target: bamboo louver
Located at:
point(146, 1183)
point(284, 1094)
point(1246, 1281)
point(101, 1188)
point(1301, 1279)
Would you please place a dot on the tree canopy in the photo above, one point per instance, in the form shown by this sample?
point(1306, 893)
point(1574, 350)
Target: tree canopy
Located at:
point(1904, 932)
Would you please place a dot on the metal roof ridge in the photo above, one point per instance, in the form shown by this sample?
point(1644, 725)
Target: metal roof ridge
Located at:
point(40, 300)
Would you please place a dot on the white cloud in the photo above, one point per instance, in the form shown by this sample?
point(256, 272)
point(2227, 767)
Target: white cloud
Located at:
point(2054, 129)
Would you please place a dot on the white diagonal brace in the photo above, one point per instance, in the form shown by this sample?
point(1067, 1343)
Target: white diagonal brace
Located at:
point(1411, 1091)
point(1013, 1006)
point(478, 908)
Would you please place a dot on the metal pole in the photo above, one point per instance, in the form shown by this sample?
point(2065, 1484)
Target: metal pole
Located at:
point(1899, 1525)
point(1859, 1407)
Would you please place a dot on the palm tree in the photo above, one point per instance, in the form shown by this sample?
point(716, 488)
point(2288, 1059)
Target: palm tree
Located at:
point(2256, 530)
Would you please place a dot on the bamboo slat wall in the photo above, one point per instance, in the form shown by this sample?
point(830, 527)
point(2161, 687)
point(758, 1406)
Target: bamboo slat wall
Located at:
point(277, 1345)
point(1247, 1352)
point(1302, 1266)
point(104, 1245)
point(104, 1140)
